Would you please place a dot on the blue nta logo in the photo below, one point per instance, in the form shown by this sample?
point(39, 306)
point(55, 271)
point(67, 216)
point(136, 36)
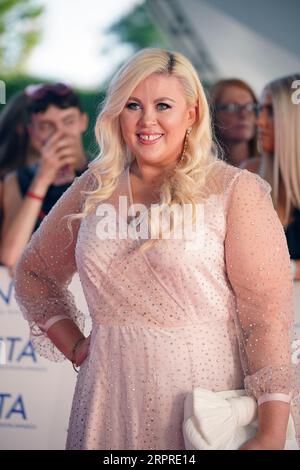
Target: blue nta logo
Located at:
point(11, 406)
point(7, 297)
point(16, 350)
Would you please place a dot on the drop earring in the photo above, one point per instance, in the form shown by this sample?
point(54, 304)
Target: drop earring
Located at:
point(186, 144)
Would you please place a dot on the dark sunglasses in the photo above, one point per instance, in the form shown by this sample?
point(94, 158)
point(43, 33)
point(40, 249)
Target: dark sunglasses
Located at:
point(235, 108)
point(39, 92)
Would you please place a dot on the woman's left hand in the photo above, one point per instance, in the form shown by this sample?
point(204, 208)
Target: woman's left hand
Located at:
point(82, 351)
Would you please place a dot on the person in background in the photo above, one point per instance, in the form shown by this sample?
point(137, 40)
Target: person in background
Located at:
point(234, 105)
point(279, 139)
point(15, 149)
point(56, 123)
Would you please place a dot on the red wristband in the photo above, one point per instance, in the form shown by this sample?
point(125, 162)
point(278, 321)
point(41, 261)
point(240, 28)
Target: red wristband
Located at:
point(34, 196)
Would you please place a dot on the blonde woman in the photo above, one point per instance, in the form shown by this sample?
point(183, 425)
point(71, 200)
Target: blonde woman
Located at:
point(169, 314)
point(279, 140)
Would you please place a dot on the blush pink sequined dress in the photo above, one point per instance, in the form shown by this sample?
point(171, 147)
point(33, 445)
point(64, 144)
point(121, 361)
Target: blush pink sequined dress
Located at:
point(217, 315)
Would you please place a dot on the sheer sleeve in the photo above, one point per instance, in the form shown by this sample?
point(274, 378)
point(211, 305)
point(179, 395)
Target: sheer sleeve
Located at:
point(258, 268)
point(46, 268)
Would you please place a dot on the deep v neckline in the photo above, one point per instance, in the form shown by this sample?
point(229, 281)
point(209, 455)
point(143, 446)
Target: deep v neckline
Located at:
point(144, 255)
point(130, 192)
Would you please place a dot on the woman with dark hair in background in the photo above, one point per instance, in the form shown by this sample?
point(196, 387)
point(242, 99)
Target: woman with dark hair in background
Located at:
point(15, 149)
point(14, 138)
point(234, 106)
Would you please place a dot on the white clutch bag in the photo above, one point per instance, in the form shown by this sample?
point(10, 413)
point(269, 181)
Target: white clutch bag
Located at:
point(223, 420)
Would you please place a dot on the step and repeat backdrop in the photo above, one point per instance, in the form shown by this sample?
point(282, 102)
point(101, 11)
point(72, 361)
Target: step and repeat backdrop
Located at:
point(36, 394)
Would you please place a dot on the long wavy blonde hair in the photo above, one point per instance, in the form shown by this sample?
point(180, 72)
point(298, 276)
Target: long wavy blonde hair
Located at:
point(184, 183)
point(285, 163)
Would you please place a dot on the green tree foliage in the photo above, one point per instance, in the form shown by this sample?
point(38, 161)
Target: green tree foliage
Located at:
point(19, 33)
point(137, 30)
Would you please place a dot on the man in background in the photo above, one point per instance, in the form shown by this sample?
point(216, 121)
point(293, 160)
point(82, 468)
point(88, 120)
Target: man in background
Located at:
point(56, 123)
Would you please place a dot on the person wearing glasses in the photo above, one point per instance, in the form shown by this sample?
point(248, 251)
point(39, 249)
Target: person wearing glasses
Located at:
point(279, 140)
point(169, 313)
point(233, 105)
point(55, 126)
